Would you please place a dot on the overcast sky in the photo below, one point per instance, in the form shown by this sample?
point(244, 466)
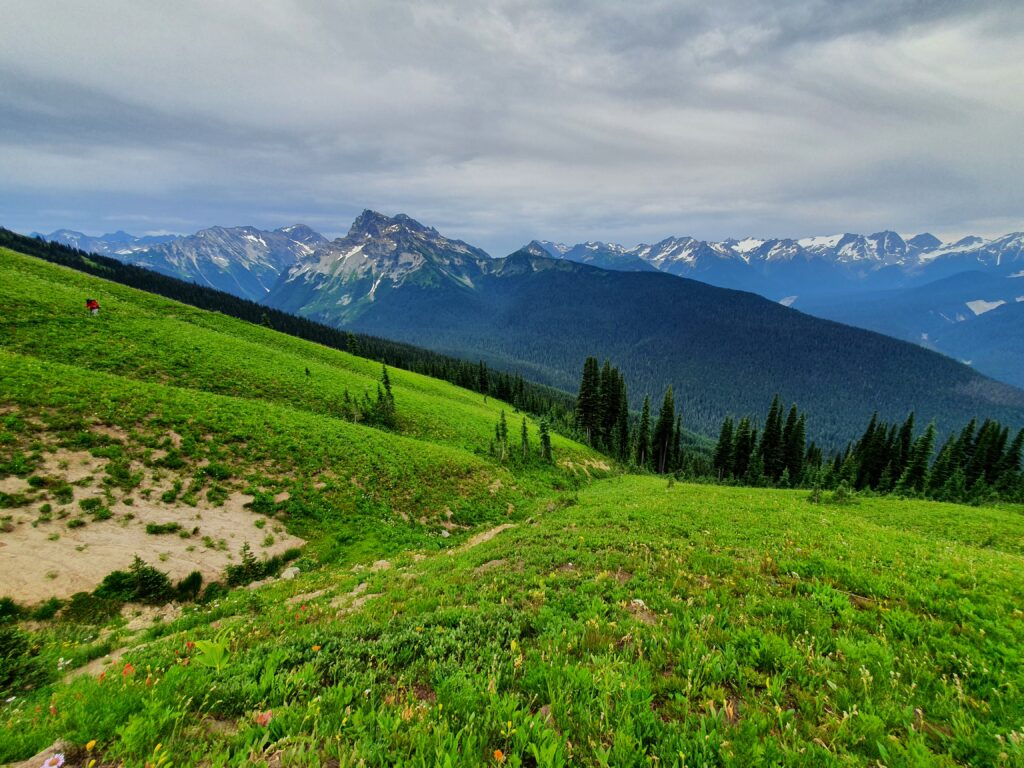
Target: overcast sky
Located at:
point(499, 122)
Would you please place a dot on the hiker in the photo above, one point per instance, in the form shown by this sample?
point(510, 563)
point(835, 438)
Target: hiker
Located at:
point(93, 306)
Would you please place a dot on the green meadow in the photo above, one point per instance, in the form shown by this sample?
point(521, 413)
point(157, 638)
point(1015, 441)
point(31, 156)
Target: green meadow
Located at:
point(457, 608)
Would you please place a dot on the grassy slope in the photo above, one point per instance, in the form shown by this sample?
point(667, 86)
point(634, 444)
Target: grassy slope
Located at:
point(146, 337)
point(698, 625)
point(771, 632)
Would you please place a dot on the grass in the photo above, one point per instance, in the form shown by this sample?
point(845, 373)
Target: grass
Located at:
point(696, 625)
point(619, 620)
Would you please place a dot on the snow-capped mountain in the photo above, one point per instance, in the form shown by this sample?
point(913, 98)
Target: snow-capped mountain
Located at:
point(244, 261)
point(115, 244)
point(806, 266)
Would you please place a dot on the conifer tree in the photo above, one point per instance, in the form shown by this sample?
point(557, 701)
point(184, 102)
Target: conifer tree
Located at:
point(525, 440)
point(915, 477)
point(794, 445)
point(643, 436)
point(588, 401)
point(906, 441)
point(742, 448)
point(722, 462)
point(661, 443)
point(622, 423)
point(545, 441)
point(771, 442)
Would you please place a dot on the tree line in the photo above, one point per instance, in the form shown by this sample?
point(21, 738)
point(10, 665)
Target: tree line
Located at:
point(979, 464)
point(976, 465)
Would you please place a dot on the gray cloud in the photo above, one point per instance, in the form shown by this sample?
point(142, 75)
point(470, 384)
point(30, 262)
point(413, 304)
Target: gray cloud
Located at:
point(499, 122)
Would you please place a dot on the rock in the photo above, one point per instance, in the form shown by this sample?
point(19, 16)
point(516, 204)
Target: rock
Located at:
point(444, 534)
point(67, 751)
point(290, 573)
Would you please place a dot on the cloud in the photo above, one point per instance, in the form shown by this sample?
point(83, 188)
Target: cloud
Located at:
point(499, 122)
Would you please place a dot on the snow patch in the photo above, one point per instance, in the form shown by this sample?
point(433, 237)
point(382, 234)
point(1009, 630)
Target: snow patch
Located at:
point(1017, 274)
point(980, 306)
point(748, 244)
point(788, 301)
point(826, 241)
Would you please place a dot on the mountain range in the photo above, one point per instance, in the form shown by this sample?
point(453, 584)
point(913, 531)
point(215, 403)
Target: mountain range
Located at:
point(543, 314)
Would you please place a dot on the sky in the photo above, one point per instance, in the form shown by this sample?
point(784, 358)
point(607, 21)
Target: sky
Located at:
point(501, 122)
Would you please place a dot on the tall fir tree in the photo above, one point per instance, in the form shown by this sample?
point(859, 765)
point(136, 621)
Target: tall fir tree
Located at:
point(545, 441)
point(771, 442)
point(643, 436)
point(588, 402)
point(661, 442)
point(722, 462)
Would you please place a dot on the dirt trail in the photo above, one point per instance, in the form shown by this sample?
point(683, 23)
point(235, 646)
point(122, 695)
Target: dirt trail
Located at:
point(480, 538)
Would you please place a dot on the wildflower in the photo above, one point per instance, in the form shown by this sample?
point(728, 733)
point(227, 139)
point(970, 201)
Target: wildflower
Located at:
point(499, 756)
point(53, 710)
point(316, 648)
point(90, 745)
point(102, 676)
point(128, 670)
point(54, 762)
point(263, 718)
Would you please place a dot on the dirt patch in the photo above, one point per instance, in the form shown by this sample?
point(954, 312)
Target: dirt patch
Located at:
point(480, 538)
point(144, 616)
point(14, 484)
point(35, 568)
point(282, 496)
point(638, 608)
point(380, 565)
point(494, 487)
point(490, 565)
point(73, 466)
point(114, 433)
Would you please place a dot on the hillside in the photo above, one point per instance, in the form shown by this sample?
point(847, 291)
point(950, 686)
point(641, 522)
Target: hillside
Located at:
point(543, 316)
point(695, 625)
point(100, 403)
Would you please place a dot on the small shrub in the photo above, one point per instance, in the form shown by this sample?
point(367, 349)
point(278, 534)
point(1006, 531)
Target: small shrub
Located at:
point(90, 505)
point(116, 585)
point(158, 529)
point(11, 500)
point(37, 482)
point(151, 585)
point(217, 471)
point(171, 494)
point(47, 610)
point(21, 669)
point(75, 522)
point(9, 610)
point(214, 591)
point(103, 513)
point(87, 608)
point(188, 588)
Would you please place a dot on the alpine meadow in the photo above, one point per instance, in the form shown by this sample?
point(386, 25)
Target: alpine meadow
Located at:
point(521, 384)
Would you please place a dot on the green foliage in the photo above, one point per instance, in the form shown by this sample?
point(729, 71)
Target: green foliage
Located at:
point(151, 585)
point(21, 668)
point(158, 529)
point(188, 589)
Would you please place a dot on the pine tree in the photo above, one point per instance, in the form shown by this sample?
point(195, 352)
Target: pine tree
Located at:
point(643, 436)
point(794, 445)
point(724, 450)
point(622, 423)
point(524, 436)
point(771, 442)
point(483, 382)
point(545, 441)
point(588, 401)
point(661, 444)
point(915, 477)
point(906, 441)
point(742, 448)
